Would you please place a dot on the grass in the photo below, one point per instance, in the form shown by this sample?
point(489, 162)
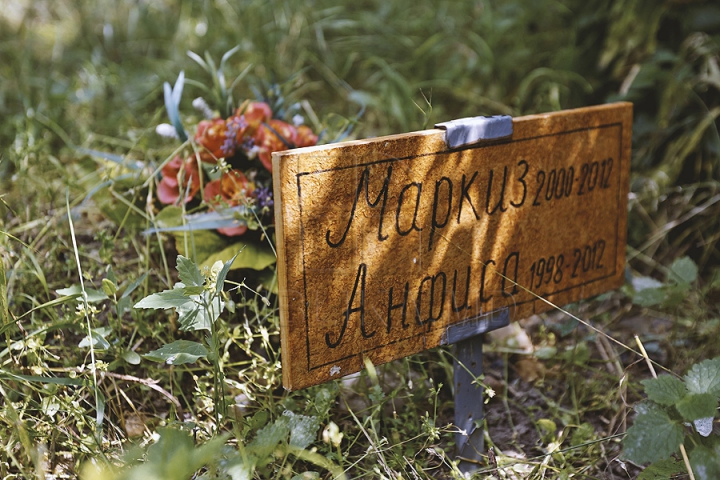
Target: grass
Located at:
point(83, 76)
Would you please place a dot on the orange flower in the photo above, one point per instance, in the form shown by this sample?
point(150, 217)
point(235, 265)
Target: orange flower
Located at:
point(229, 190)
point(212, 136)
point(274, 136)
point(305, 137)
point(255, 114)
point(177, 173)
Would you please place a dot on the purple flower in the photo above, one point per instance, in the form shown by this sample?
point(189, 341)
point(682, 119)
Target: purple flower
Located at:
point(263, 195)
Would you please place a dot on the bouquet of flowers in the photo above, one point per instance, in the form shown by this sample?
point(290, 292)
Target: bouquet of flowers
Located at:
point(222, 178)
point(239, 147)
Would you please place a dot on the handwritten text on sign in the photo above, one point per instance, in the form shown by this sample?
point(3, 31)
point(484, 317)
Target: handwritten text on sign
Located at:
point(384, 243)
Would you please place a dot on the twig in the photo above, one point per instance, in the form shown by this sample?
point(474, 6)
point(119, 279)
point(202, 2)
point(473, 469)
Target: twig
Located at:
point(687, 462)
point(645, 355)
point(148, 382)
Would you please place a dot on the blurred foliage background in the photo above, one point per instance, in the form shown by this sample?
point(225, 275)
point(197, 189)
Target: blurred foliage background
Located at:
point(93, 70)
point(88, 74)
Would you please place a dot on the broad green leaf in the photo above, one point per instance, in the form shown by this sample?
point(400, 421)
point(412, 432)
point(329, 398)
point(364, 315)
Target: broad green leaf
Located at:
point(189, 272)
point(684, 270)
point(256, 257)
point(174, 455)
point(649, 297)
point(165, 299)
point(200, 314)
point(665, 390)
point(662, 469)
point(178, 352)
point(653, 436)
point(704, 377)
point(170, 216)
point(193, 291)
point(200, 244)
point(131, 357)
point(697, 405)
point(705, 463)
point(93, 295)
point(190, 319)
point(268, 437)
point(303, 429)
point(196, 244)
point(241, 469)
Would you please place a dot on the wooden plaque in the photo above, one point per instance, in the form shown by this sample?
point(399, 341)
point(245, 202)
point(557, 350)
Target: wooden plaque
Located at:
point(384, 243)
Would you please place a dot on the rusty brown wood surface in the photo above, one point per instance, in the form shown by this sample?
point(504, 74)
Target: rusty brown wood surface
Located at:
point(383, 243)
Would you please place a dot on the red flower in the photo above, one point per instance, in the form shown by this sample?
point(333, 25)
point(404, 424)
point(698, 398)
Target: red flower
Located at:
point(305, 137)
point(176, 173)
point(212, 136)
point(229, 190)
point(255, 114)
point(274, 136)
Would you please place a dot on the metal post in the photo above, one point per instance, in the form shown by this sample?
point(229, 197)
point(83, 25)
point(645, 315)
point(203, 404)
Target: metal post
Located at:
point(468, 403)
point(468, 338)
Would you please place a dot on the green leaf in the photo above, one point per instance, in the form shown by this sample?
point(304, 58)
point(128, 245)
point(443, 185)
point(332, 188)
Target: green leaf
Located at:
point(108, 287)
point(131, 288)
point(662, 469)
point(222, 274)
point(665, 390)
point(697, 405)
point(303, 429)
point(675, 294)
point(704, 377)
point(653, 436)
point(705, 463)
point(269, 437)
point(131, 357)
point(192, 291)
point(189, 272)
point(200, 314)
point(98, 338)
point(170, 216)
point(684, 270)
point(165, 299)
point(178, 352)
point(93, 295)
point(649, 297)
point(256, 257)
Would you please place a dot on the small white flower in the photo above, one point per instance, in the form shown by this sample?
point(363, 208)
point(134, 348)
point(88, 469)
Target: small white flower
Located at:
point(166, 130)
point(201, 106)
point(298, 120)
point(252, 152)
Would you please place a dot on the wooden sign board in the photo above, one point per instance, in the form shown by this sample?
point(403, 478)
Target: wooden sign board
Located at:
point(384, 243)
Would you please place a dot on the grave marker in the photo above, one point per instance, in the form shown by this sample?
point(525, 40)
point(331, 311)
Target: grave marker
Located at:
point(394, 245)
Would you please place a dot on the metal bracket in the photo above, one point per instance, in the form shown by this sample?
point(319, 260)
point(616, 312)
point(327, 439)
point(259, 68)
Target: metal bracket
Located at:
point(466, 131)
point(468, 339)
